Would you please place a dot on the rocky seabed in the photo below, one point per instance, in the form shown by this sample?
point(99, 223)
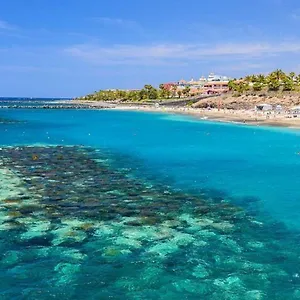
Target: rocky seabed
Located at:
point(74, 225)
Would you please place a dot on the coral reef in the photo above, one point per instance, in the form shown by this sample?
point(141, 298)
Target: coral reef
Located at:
point(71, 219)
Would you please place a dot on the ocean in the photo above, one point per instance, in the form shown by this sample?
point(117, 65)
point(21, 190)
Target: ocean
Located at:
point(107, 204)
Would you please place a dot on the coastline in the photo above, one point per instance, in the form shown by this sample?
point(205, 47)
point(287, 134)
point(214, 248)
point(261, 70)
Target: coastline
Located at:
point(248, 117)
point(236, 116)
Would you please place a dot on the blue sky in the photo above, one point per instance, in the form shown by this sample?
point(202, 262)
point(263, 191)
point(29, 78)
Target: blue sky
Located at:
point(69, 48)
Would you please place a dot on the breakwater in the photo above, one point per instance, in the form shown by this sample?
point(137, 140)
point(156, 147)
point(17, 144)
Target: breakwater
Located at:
point(53, 106)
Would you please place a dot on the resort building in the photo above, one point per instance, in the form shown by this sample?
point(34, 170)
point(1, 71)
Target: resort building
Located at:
point(169, 85)
point(213, 84)
point(216, 87)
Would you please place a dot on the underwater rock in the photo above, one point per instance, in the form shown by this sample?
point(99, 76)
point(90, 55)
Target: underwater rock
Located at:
point(192, 287)
point(151, 276)
point(66, 273)
point(36, 229)
point(231, 244)
point(126, 242)
point(199, 243)
point(143, 233)
point(231, 283)
point(11, 258)
point(128, 236)
point(222, 226)
point(67, 234)
point(255, 245)
point(163, 249)
point(255, 295)
point(70, 255)
point(112, 252)
point(200, 272)
point(182, 239)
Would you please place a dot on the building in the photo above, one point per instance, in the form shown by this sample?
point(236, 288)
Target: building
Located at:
point(213, 84)
point(264, 107)
point(213, 77)
point(216, 87)
point(169, 86)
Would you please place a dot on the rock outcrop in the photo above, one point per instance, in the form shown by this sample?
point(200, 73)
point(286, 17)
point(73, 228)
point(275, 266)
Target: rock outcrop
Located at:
point(249, 101)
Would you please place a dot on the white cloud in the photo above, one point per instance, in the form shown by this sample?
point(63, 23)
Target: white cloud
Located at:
point(118, 22)
point(6, 26)
point(30, 69)
point(295, 16)
point(146, 54)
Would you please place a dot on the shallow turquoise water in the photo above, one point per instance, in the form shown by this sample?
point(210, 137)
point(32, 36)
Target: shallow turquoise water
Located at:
point(240, 160)
point(255, 168)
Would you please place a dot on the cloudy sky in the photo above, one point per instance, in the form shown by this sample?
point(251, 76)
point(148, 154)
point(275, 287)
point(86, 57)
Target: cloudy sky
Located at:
point(69, 48)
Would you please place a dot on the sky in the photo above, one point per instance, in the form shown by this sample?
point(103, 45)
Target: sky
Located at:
point(72, 47)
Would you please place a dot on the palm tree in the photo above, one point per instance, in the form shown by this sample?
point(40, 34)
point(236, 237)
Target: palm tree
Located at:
point(248, 78)
point(148, 87)
point(273, 83)
point(288, 84)
point(257, 86)
point(261, 78)
point(186, 90)
point(162, 86)
point(174, 90)
point(279, 74)
point(232, 85)
point(292, 75)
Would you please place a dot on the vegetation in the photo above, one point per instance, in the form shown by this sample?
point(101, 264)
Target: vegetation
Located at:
point(147, 93)
point(275, 81)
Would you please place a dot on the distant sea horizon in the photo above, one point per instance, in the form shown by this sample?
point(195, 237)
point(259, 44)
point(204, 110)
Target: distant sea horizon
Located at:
point(34, 98)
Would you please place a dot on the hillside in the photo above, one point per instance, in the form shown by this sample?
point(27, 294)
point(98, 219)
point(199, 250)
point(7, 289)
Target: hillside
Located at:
point(249, 101)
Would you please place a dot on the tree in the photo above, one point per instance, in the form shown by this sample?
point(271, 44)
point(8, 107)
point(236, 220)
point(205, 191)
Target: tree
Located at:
point(274, 80)
point(174, 90)
point(179, 93)
point(261, 79)
point(232, 85)
point(186, 91)
point(273, 84)
point(162, 86)
point(242, 87)
point(257, 86)
point(292, 75)
point(288, 84)
point(162, 93)
point(278, 74)
point(250, 78)
point(151, 92)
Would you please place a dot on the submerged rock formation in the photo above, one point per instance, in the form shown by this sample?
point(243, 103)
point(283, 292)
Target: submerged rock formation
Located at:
point(72, 217)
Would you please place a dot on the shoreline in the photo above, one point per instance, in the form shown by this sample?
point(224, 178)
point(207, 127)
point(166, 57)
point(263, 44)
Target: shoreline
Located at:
point(242, 117)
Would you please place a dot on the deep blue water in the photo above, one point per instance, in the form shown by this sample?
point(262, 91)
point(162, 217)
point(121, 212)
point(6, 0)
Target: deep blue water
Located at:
point(26, 102)
point(256, 168)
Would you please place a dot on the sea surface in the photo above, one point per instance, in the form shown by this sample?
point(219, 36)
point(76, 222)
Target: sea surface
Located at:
point(107, 204)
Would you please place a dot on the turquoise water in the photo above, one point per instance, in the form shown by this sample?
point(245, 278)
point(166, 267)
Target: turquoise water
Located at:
point(240, 243)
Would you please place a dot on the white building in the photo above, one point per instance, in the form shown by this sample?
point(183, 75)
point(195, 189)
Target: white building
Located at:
point(264, 107)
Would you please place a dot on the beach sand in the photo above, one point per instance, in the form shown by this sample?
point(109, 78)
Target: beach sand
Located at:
point(249, 117)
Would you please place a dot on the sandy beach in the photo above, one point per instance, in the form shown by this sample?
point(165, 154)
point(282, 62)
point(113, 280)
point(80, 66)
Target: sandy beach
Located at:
point(250, 117)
